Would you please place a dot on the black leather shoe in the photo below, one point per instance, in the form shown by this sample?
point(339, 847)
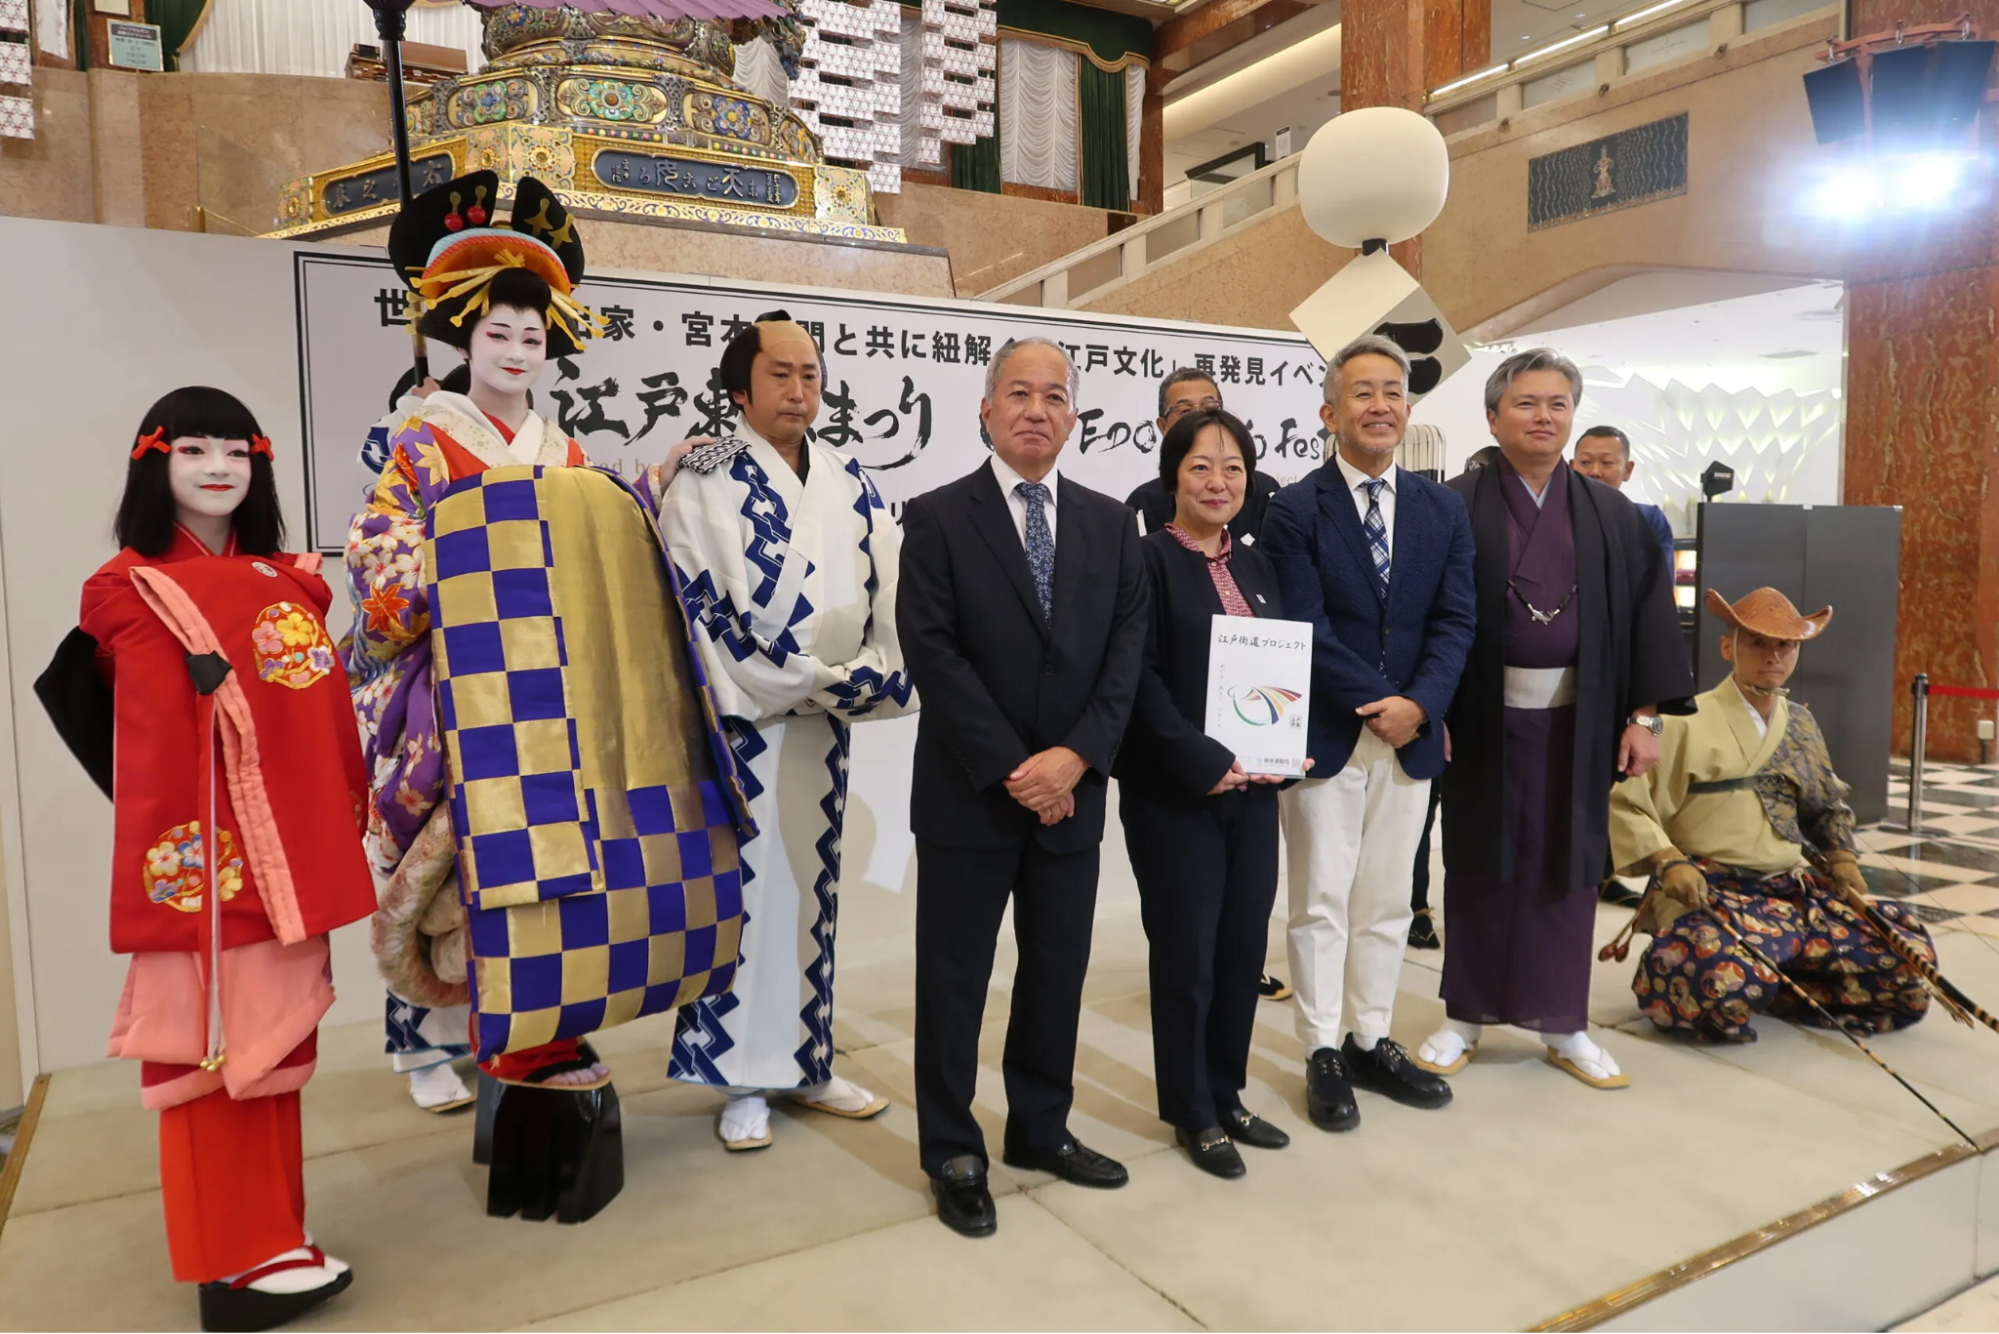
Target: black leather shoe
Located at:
point(1387, 1070)
point(1272, 988)
point(1211, 1151)
point(963, 1203)
point(1246, 1127)
point(1423, 932)
point(1614, 892)
point(1073, 1163)
point(1329, 1097)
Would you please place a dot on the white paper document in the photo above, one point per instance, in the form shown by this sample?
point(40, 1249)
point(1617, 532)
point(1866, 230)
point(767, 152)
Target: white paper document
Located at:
point(1259, 691)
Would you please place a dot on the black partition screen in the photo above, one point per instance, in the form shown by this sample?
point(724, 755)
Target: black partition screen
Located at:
point(1845, 556)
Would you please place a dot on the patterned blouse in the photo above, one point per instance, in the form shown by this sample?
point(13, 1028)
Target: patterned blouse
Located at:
point(1233, 602)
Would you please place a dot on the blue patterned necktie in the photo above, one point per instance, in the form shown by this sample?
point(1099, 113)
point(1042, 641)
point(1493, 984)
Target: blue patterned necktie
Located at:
point(1377, 531)
point(1040, 544)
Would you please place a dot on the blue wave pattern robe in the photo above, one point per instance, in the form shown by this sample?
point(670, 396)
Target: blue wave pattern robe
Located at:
point(790, 586)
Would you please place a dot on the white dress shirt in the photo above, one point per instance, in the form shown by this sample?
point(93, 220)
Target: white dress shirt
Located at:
point(1016, 503)
point(1357, 488)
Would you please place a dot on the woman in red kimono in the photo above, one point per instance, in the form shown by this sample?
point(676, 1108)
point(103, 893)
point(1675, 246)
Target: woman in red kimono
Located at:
point(238, 796)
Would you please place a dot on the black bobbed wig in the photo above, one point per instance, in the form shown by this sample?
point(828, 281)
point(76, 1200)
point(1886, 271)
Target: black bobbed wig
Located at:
point(146, 514)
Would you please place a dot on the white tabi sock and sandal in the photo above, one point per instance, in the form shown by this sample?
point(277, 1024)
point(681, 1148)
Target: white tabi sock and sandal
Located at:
point(1449, 1049)
point(744, 1123)
point(437, 1088)
point(1575, 1054)
point(841, 1097)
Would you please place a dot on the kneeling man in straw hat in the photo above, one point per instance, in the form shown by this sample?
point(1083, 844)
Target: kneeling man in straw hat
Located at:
point(1758, 902)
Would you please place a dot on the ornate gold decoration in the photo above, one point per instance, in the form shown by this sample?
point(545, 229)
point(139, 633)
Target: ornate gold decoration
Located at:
point(621, 101)
point(563, 86)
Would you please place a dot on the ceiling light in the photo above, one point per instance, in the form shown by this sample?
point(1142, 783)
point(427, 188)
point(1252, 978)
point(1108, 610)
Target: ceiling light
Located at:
point(1646, 13)
point(1468, 80)
point(1564, 44)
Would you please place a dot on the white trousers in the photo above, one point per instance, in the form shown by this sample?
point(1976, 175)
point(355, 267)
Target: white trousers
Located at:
point(1350, 844)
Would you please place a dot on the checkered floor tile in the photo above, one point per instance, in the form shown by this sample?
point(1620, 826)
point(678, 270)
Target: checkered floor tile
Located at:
point(1948, 875)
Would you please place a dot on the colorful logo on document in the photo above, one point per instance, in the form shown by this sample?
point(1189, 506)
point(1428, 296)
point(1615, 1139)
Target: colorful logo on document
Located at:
point(1261, 706)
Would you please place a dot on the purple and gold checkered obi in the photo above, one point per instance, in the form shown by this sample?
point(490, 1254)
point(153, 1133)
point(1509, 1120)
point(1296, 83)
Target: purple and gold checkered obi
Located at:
point(595, 801)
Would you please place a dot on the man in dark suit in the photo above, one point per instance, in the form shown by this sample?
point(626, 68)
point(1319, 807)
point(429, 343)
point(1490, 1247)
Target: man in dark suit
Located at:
point(1379, 561)
point(1022, 614)
point(1188, 389)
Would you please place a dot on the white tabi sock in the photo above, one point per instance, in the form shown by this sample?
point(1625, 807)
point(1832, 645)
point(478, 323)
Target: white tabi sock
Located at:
point(1444, 1046)
point(436, 1085)
point(302, 1279)
point(1590, 1058)
point(747, 1117)
point(841, 1095)
point(1365, 1044)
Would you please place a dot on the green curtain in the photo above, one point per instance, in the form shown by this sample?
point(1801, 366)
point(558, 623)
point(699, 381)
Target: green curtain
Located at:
point(1111, 35)
point(1105, 169)
point(177, 18)
point(79, 32)
point(976, 166)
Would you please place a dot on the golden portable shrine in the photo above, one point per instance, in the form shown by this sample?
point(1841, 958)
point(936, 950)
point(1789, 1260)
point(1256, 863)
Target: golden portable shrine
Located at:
point(623, 115)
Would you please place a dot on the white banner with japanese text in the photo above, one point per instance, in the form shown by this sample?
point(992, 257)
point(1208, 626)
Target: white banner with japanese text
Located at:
point(903, 379)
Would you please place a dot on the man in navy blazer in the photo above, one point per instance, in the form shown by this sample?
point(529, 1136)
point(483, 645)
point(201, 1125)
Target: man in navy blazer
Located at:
point(1379, 561)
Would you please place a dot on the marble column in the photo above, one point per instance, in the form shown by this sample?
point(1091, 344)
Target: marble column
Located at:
point(1922, 425)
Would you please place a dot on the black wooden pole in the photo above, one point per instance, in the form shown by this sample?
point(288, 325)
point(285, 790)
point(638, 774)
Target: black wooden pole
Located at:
point(391, 22)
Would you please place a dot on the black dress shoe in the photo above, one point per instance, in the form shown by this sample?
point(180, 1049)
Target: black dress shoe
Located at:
point(1423, 932)
point(1073, 1163)
point(1246, 1127)
point(1387, 1070)
point(1273, 988)
point(1211, 1151)
point(1329, 1097)
point(963, 1203)
point(1614, 892)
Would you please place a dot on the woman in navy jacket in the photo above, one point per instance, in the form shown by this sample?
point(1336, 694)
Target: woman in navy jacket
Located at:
point(1202, 833)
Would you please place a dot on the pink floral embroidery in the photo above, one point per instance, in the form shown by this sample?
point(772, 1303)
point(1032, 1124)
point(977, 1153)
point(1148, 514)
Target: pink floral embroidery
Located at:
point(292, 646)
point(175, 875)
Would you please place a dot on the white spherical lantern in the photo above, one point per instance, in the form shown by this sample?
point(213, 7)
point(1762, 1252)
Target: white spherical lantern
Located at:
point(1373, 174)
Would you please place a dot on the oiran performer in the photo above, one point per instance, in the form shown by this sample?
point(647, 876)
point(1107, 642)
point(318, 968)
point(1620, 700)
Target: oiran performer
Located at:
point(1577, 653)
point(550, 787)
point(1746, 826)
point(238, 789)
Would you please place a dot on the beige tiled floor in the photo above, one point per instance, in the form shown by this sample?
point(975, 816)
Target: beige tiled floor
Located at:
point(1529, 1195)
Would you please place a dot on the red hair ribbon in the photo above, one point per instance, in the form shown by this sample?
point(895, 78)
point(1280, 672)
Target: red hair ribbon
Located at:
point(261, 444)
point(157, 440)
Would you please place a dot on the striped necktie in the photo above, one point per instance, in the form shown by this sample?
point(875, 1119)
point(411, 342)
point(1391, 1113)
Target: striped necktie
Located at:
point(1377, 531)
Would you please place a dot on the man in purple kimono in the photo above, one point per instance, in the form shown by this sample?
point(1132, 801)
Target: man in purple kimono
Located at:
point(1577, 653)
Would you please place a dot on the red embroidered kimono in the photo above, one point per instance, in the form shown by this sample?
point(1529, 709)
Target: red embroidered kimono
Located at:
point(269, 760)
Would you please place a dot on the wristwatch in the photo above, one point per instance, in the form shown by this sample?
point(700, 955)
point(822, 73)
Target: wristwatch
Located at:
point(1652, 723)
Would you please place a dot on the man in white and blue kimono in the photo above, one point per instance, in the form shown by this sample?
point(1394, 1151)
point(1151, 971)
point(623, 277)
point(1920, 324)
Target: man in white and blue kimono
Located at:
point(787, 564)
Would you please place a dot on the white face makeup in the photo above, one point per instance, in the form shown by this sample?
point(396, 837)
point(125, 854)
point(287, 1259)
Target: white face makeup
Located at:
point(208, 478)
point(508, 352)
